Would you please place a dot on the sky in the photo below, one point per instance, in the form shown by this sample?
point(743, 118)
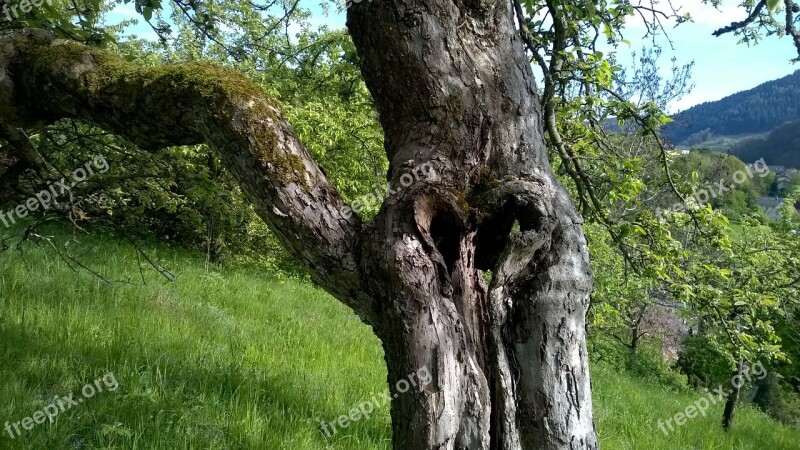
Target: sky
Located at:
point(722, 67)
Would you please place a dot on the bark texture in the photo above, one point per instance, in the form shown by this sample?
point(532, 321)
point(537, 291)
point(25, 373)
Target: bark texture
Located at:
point(477, 271)
point(455, 90)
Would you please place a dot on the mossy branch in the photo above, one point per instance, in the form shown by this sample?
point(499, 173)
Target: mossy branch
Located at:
point(43, 79)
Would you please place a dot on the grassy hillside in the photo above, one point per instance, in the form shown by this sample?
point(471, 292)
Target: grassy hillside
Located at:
point(239, 360)
point(724, 143)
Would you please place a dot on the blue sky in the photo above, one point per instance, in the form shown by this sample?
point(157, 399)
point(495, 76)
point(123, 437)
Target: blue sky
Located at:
point(722, 67)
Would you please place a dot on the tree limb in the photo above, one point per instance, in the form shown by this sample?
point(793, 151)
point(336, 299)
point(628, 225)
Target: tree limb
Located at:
point(735, 26)
point(43, 79)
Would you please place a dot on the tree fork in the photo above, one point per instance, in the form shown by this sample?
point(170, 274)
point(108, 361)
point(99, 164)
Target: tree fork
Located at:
point(454, 89)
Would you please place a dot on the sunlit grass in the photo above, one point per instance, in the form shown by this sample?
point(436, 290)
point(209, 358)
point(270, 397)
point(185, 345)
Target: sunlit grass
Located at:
point(213, 360)
point(627, 411)
point(237, 360)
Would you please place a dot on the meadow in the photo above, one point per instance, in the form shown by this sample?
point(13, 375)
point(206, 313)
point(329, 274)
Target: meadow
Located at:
point(239, 359)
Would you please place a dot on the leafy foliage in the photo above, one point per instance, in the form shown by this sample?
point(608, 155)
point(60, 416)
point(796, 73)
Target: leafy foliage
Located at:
point(183, 195)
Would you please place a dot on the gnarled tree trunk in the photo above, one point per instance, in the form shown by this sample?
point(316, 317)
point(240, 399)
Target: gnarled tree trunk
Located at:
point(455, 92)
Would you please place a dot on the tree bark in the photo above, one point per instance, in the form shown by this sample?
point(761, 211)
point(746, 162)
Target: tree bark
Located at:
point(455, 90)
point(733, 398)
point(636, 333)
point(455, 93)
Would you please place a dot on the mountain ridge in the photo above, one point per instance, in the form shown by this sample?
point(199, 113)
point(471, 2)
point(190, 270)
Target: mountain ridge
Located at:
point(757, 110)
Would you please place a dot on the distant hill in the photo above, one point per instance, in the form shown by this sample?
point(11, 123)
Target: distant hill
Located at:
point(781, 147)
point(758, 110)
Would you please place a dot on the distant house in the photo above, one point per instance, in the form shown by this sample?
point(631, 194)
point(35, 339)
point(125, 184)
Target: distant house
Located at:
point(777, 169)
point(678, 152)
point(785, 178)
point(771, 206)
point(783, 175)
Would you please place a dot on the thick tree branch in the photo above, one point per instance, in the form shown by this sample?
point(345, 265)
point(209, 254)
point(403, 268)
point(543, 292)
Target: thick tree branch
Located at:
point(16, 156)
point(791, 29)
point(735, 26)
point(43, 79)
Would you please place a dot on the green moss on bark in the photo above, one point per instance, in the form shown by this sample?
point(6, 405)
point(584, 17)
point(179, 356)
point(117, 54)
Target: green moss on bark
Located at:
point(213, 102)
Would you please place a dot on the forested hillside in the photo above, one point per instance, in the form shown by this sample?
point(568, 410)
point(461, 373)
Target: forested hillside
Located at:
point(780, 148)
point(758, 110)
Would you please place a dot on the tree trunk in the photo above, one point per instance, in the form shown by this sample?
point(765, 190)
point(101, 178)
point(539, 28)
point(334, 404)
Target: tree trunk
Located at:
point(455, 91)
point(636, 334)
point(473, 197)
point(733, 397)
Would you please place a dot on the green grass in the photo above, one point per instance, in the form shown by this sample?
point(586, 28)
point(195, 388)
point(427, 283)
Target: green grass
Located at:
point(628, 410)
point(236, 360)
point(723, 143)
